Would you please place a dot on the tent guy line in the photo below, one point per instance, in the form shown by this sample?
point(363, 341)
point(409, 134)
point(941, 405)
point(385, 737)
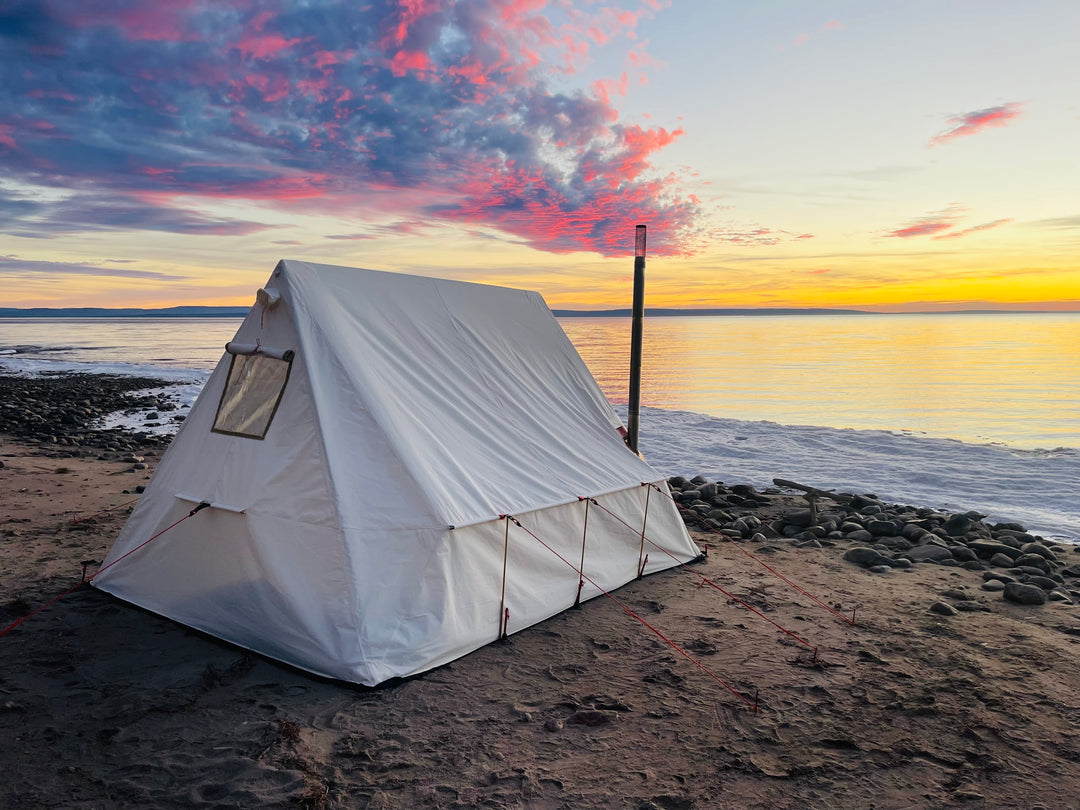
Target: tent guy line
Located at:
point(85, 579)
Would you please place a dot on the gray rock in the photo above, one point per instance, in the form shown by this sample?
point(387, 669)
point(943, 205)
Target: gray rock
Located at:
point(929, 552)
point(860, 536)
point(1030, 570)
point(1045, 583)
point(956, 593)
point(849, 526)
point(1040, 549)
point(1034, 561)
point(880, 569)
point(993, 585)
point(882, 528)
point(1024, 594)
point(999, 576)
point(957, 525)
point(971, 606)
point(988, 548)
point(866, 557)
point(1060, 596)
point(1001, 561)
point(943, 609)
point(962, 553)
point(902, 564)
point(912, 531)
point(797, 517)
point(707, 491)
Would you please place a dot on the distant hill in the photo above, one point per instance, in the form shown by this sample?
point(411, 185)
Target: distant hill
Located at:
point(101, 312)
point(666, 313)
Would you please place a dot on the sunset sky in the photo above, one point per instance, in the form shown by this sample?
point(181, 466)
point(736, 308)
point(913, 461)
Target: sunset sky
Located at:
point(915, 155)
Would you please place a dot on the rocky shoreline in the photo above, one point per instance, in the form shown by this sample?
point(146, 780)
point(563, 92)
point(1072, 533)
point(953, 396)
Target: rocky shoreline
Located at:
point(882, 538)
point(60, 411)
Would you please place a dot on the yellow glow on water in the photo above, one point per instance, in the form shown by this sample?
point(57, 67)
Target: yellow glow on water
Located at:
point(1009, 378)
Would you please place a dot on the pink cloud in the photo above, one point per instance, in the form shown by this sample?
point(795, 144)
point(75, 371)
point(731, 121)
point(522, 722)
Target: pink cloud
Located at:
point(7, 136)
point(939, 224)
point(975, 229)
point(929, 225)
point(406, 61)
point(971, 123)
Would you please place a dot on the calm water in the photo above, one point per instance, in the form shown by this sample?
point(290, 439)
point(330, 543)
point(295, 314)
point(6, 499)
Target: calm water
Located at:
point(1007, 378)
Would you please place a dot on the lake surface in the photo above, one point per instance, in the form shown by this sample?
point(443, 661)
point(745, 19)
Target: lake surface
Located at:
point(1004, 378)
point(953, 411)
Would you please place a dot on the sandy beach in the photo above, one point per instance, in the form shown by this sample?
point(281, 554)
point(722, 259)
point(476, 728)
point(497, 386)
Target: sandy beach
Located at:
point(103, 705)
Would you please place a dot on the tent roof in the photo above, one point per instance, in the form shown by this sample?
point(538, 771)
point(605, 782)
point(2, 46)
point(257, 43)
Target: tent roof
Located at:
point(477, 390)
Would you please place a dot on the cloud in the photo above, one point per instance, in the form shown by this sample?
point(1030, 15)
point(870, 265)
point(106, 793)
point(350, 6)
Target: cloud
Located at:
point(929, 225)
point(82, 212)
point(961, 126)
point(939, 224)
point(974, 229)
point(14, 266)
point(451, 110)
point(1060, 222)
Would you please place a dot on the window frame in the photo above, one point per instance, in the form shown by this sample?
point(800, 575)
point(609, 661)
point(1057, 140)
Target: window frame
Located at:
point(287, 358)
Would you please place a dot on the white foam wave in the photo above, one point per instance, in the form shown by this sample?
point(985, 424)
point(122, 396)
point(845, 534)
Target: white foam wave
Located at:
point(1036, 488)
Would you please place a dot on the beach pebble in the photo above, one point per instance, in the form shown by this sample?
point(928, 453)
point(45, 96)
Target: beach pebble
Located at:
point(866, 557)
point(988, 548)
point(882, 528)
point(554, 725)
point(880, 569)
point(1040, 549)
point(1024, 594)
point(943, 609)
point(963, 553)
point(999, 576)
point(993, 585)
point(1034, 561)
point(970, 606)
point(929, 552)
point(1045, 583)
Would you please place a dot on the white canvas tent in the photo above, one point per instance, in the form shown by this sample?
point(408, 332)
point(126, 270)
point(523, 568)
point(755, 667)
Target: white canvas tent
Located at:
point(358, 443)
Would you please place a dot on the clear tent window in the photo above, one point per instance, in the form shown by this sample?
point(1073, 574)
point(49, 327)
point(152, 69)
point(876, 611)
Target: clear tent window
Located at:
point(252, 394)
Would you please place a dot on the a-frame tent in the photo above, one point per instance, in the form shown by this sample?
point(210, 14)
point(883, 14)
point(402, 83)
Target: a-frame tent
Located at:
point(359, 443)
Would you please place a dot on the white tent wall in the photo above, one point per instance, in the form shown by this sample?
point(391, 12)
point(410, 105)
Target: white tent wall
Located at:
point(275, 578)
